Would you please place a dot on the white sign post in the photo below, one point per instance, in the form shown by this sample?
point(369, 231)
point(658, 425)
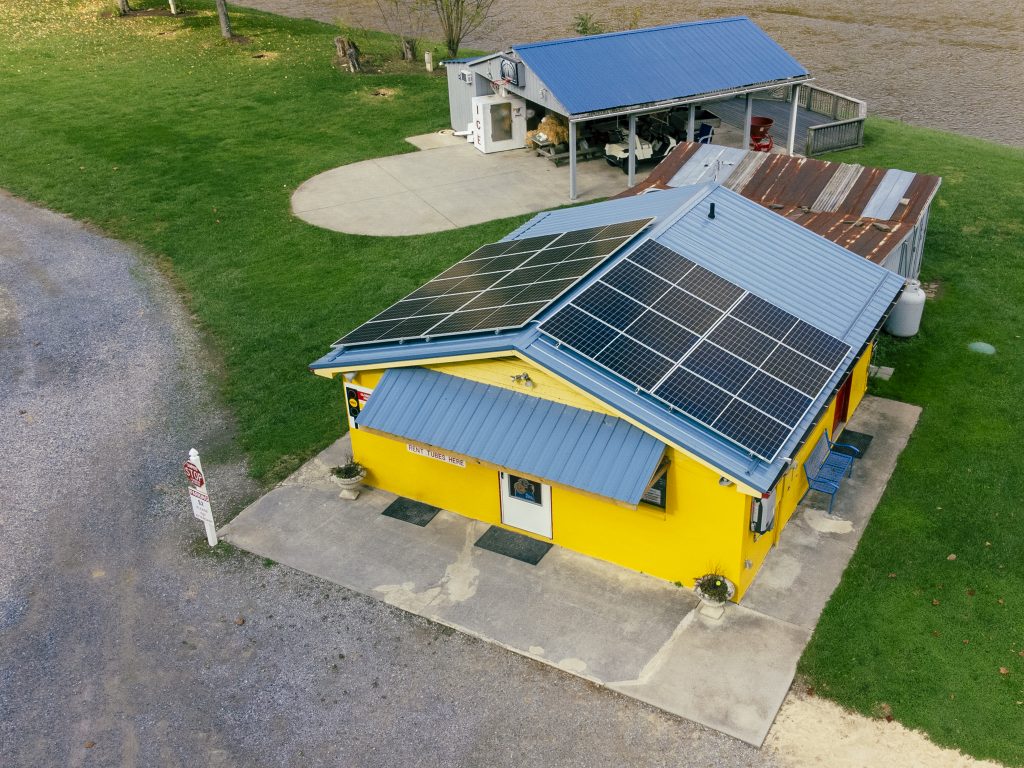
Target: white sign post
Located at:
point(199, 495)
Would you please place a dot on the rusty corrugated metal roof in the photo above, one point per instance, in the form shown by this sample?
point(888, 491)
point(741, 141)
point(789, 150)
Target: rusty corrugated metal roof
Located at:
point(825, 197)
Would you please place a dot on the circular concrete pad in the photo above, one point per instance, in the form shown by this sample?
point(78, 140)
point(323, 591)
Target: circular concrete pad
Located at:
point(448, 185)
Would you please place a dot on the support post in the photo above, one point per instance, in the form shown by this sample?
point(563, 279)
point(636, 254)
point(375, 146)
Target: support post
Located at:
point(632, 150)
point(793, 109)
point(748, 113)
point(691, 122)
point(572, 160)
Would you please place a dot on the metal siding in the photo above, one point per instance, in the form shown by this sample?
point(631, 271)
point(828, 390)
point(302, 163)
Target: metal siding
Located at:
point(704, 165)
point(887, 195)
point(660, 204)
point(800, 188)
point(645, 66)
point(533, 88)
point(391, 354)
point(460, 99)
point(552, 441)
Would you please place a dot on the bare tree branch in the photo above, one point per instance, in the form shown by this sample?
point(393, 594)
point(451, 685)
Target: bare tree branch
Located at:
point(459, 19)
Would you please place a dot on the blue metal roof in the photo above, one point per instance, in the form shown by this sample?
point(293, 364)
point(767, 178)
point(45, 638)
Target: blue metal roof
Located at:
point(591, 451)
point(763, 252)
point(645, 66)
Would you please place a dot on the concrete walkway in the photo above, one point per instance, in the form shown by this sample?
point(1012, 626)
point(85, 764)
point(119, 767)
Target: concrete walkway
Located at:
point(632, 633)
point(448, 184)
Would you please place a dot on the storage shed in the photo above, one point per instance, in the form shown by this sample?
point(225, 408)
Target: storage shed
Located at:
point(639, 380)
point(632, 73)
point(879, 213)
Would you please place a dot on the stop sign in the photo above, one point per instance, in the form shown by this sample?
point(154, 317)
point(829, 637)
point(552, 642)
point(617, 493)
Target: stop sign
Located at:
point(194, 474)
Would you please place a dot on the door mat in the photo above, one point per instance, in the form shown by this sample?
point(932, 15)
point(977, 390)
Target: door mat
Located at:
point(415, 512)
point(858, 440)
point(513, 545)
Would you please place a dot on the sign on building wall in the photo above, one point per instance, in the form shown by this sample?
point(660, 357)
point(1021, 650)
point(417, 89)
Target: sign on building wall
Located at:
point(430, 453)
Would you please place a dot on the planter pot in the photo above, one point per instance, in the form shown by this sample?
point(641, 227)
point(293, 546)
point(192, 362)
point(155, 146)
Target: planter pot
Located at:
point(349, 485)
point(711, 609)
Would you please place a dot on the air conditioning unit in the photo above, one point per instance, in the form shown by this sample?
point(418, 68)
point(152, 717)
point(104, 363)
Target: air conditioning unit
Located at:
point(466, 76)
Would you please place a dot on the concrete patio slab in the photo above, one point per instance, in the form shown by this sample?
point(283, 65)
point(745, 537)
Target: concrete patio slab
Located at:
point(447, 185)
point(729, 674)
point(437, 140)
point(815, 547)
point(632, 633)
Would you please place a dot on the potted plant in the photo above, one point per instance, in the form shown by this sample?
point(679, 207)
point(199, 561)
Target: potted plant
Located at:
point(349, 475)
point(714, 590)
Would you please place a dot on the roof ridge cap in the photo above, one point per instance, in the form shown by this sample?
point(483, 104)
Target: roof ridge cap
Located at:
point(617, 33)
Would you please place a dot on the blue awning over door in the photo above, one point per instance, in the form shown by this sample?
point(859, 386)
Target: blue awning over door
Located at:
point(551, 441)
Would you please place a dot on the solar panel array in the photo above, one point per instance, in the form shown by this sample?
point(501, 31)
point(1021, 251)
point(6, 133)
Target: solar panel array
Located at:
point(703, 345)
point(498, 286)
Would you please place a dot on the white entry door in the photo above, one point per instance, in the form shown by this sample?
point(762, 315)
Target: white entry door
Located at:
point(525, 504)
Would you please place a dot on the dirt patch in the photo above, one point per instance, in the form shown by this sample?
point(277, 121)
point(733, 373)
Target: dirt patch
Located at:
point(384, 93)
point(266, 55)
point(813, 732)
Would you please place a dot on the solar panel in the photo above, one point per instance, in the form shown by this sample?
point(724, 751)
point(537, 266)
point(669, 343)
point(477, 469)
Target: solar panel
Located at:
point(498, 286)
point(634, 362)
point(702, 345)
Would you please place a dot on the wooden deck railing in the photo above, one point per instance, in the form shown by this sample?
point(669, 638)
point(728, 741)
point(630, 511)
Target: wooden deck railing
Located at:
point(847, 130)
point(829, 137)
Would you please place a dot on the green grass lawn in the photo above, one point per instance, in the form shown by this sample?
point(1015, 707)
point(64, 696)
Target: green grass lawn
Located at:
point(909, 627)
point(160, 133)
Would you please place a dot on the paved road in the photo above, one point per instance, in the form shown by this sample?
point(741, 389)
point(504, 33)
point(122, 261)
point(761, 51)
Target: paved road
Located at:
point(119, 647)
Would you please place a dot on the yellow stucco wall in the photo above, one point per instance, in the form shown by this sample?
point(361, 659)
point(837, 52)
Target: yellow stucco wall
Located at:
point(705, 526)
point(793, 484)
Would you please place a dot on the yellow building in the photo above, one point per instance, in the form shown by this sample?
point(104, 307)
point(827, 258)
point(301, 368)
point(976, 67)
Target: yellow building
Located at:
point(638, 380)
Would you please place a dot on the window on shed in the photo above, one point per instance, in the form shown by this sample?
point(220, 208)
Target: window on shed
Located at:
point(657, 491)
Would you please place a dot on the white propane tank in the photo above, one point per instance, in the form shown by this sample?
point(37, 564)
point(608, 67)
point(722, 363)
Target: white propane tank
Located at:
point(905, 319)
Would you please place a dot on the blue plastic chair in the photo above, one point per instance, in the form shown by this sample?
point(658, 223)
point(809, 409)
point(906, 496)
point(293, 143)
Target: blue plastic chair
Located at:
point(705, 133)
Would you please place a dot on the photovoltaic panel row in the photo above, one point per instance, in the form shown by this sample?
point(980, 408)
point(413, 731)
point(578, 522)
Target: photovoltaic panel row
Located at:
point(734, 362)
point(498, 286)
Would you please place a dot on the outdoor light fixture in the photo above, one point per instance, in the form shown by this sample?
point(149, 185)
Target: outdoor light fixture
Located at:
point(523, 378)
point(350, 375)
point(725, 482)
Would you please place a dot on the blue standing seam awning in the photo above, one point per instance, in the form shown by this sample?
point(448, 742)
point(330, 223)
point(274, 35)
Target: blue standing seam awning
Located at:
point(591, 451)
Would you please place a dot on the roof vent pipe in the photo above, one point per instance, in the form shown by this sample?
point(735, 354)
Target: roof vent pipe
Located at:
point(711, 211)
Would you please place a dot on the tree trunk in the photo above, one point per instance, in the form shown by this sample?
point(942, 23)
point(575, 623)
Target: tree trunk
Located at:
point(174, 7)
point(123, 7)
point(348, 53)
point(408, 49)
point(225, 23)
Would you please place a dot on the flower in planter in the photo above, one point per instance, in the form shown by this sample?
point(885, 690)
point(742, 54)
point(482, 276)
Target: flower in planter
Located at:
point(350, 470)
point(714, 587)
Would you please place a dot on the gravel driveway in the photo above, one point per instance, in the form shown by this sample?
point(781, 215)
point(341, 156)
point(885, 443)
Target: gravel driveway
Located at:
point(119, 647)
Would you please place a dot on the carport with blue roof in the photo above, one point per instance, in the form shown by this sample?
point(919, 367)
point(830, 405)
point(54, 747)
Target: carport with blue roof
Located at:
point(638, 72)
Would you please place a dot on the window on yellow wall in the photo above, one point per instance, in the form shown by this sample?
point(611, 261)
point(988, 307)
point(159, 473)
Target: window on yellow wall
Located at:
point(657, 492)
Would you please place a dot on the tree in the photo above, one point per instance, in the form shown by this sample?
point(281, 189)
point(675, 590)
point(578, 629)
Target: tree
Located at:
point(225, 22)
point(405, 19)
point(123, 8)
point(459, 19)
